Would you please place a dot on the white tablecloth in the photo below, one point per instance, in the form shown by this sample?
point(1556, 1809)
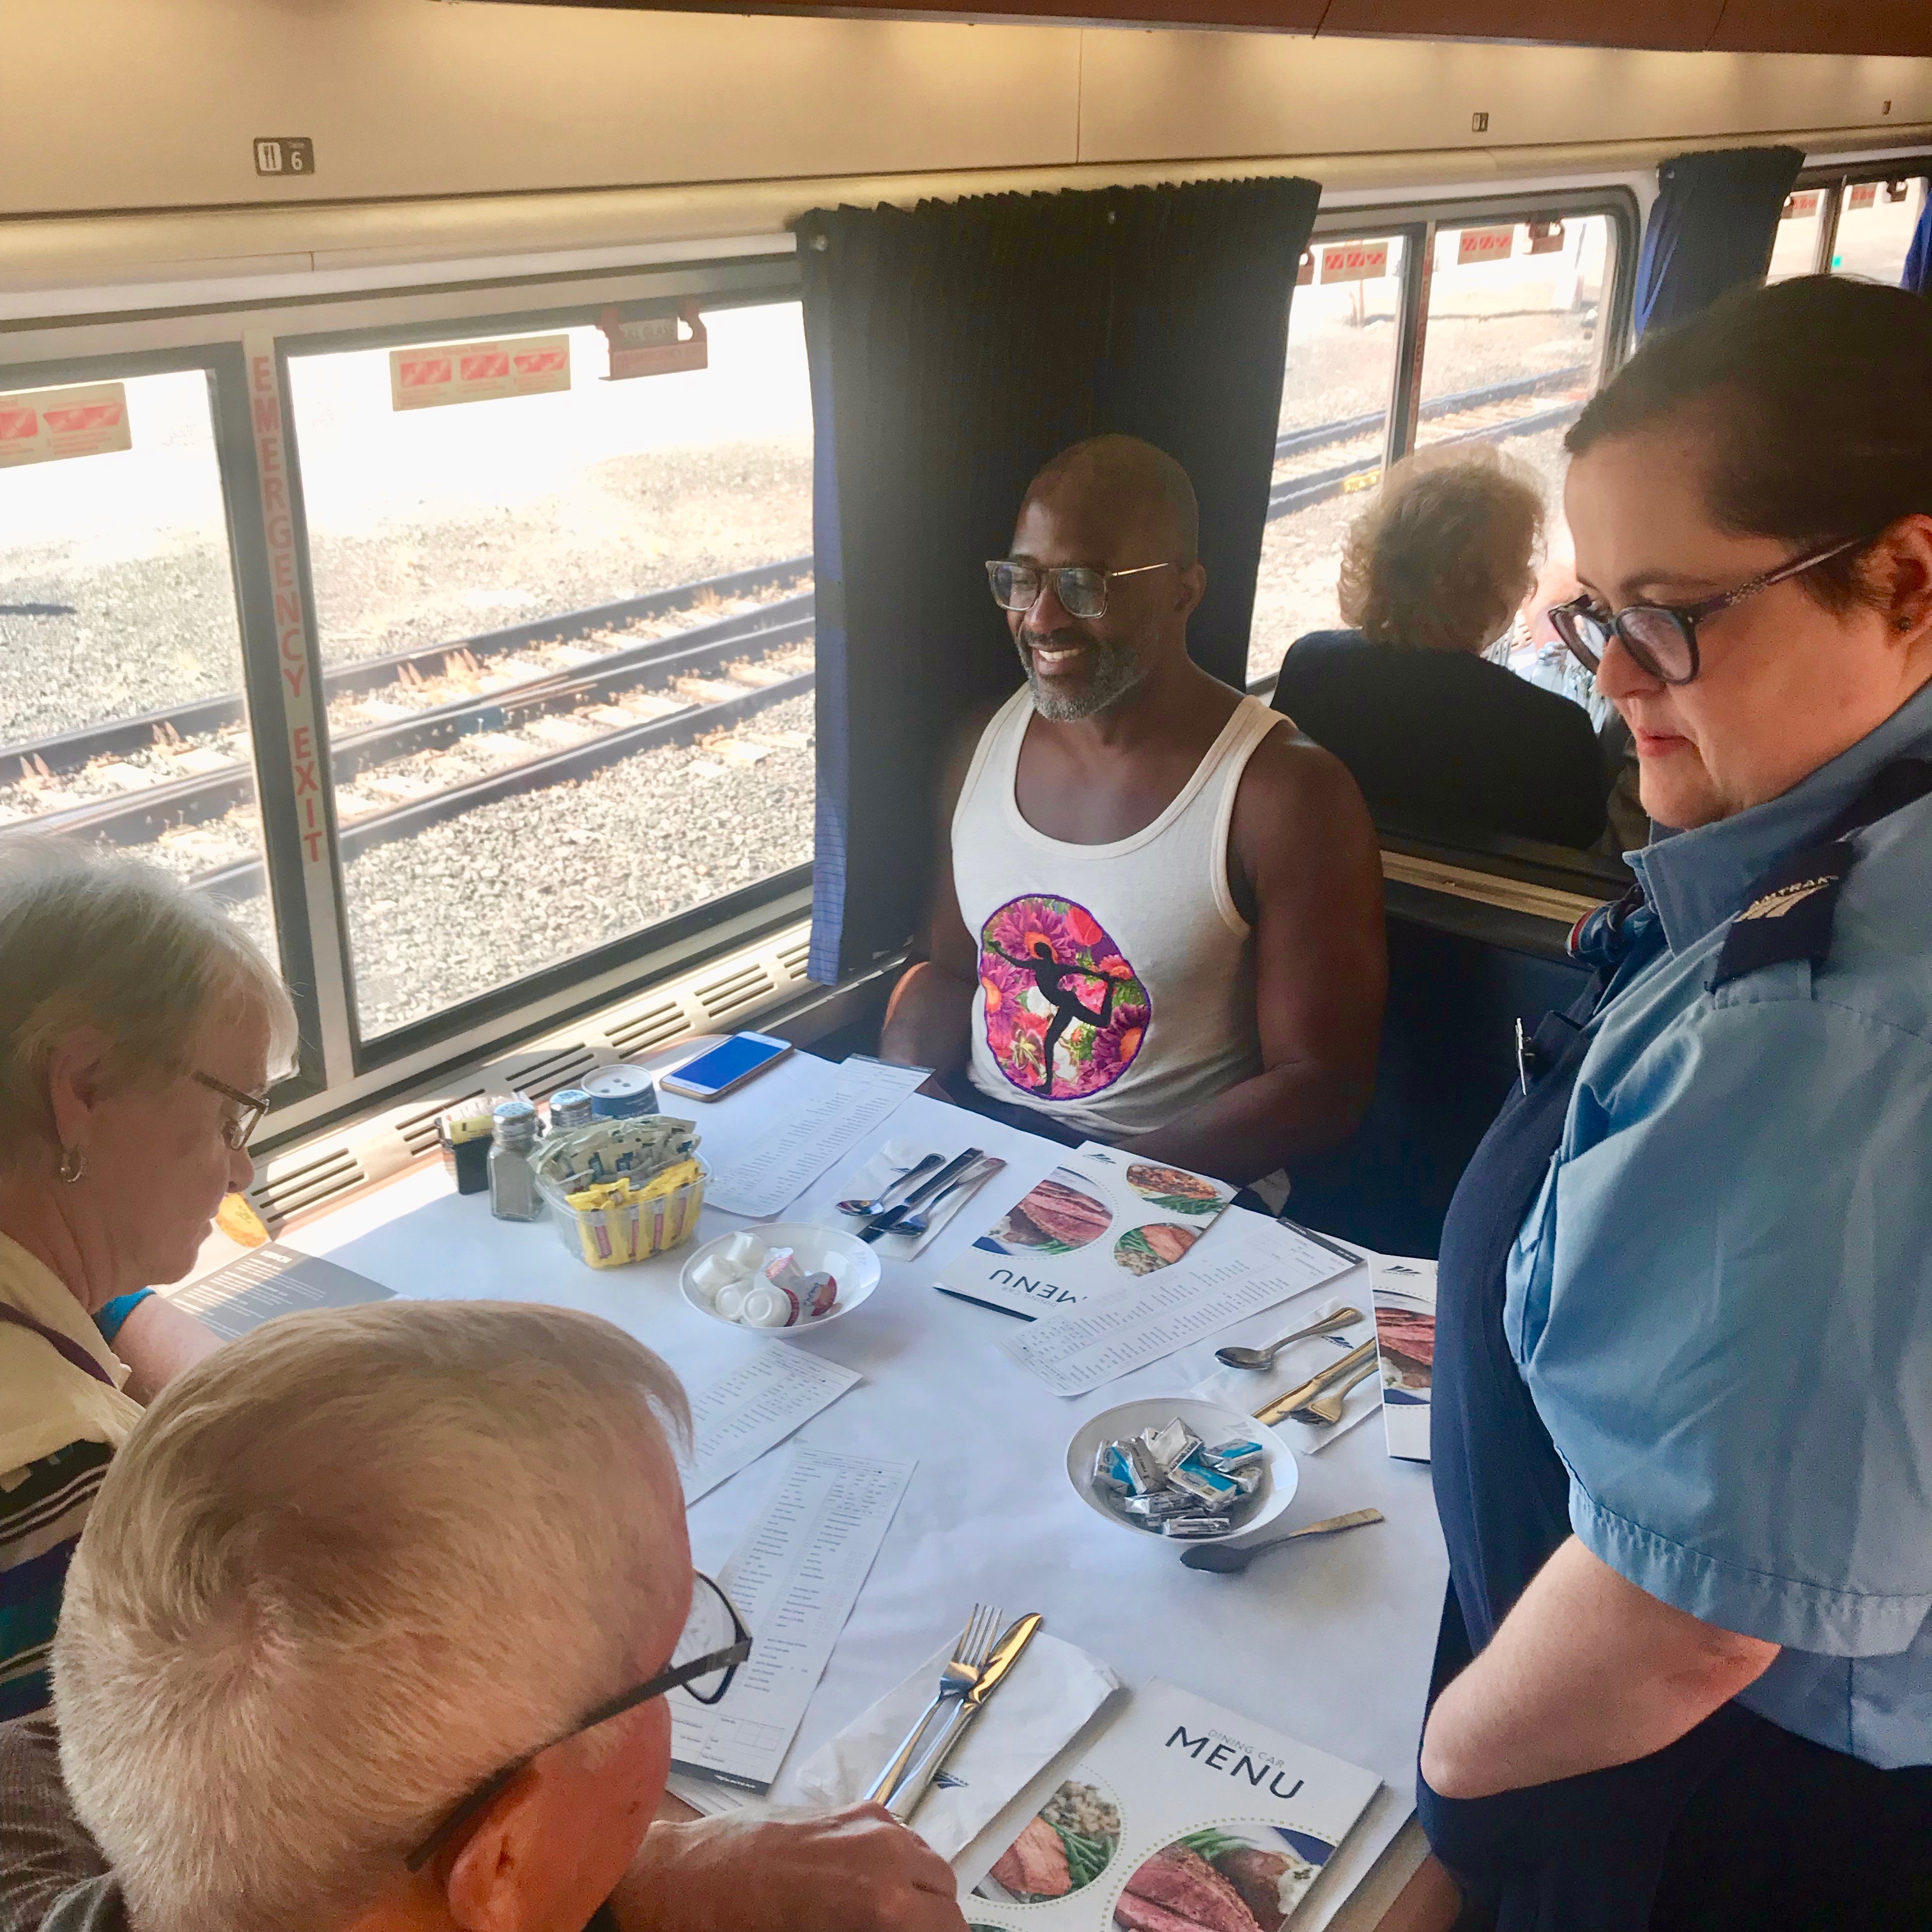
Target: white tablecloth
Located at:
point(1330, 1641)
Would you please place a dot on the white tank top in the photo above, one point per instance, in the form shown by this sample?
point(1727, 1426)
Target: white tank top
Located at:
point(1117, 981)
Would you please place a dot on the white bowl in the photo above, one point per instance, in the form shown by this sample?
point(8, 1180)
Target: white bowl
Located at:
point(1212, 1423)
point(844, 1257)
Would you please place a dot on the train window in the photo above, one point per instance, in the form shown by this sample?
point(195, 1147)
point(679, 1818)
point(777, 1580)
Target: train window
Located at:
point(1801, 228)
point(1344, 328)
point(1512, 346)
point(565, 625)
point(1876, 221)
point(121, 714)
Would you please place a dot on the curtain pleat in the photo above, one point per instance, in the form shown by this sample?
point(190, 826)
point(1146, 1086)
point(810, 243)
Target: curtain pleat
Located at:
point(954, 348)
point(1710, 229)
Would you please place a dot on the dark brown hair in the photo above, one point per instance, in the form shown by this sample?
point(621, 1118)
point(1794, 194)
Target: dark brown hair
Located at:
point(1814, 399)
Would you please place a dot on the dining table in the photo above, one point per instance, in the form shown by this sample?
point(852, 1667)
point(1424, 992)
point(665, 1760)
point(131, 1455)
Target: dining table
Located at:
point(1328, 1639)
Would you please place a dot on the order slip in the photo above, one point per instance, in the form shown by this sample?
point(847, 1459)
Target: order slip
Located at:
point(768, 1177)
point(794, 1577)
point(753, 1408)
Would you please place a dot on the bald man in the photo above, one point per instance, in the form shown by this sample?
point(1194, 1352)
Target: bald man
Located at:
point(1155, 916)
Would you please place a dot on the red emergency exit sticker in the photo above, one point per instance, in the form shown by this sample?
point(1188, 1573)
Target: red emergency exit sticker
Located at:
point(1484, 244)
point(477, 372)
point(1355, 262)
point(1863, 194)
point(44, 425)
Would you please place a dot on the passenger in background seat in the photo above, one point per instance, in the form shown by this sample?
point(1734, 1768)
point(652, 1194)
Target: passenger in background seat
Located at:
point(1431, 574)
point(1155, 916)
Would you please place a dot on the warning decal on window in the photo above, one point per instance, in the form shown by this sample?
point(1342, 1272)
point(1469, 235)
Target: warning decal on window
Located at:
point(1354, 262)
point(1484, 244)
point(477, 372)
point(44, 425)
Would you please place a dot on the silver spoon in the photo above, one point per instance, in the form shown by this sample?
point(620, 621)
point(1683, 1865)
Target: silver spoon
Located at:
point(914, 1225)
point(1228, 1562)
point(1264, 1358)
point(858, 1209)
point(1326, 1407)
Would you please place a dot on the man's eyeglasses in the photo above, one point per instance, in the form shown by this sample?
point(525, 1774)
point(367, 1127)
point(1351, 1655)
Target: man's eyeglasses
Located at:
point(1662, 638)
point(715, 1643)
point(237, 1129)
point(1081, 589)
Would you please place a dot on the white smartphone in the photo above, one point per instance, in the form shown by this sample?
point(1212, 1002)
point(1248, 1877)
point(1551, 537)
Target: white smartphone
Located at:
point(717, 1071)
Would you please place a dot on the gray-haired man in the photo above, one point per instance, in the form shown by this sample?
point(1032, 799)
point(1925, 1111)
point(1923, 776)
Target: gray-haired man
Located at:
point(370, 1630)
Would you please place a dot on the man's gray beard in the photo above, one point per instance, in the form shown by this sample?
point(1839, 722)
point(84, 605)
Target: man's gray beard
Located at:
point(1116, 673)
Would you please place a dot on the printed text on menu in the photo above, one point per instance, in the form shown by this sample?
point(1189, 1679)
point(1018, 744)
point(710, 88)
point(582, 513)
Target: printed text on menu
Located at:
point(794, 1578)
point(1080, 1348)
point(755, 1407)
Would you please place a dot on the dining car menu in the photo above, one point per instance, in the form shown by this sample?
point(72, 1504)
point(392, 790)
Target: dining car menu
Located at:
point(1179, 1817)
point(1098, 1222)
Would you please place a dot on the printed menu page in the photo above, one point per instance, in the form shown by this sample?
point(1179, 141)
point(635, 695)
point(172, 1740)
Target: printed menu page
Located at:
point(794, 1577)
point(1098, 1221)
point(269, 1281)
point(1179, 1817)
point(1079, 1348)
point(1404, 1292)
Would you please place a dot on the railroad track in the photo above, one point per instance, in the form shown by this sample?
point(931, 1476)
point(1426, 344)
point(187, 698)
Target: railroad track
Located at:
point(541, 703)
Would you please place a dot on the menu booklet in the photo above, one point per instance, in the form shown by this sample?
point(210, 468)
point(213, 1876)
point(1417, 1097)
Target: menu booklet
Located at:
point(1179, 1817)
point(1405, 1298)
point(1100, 1220)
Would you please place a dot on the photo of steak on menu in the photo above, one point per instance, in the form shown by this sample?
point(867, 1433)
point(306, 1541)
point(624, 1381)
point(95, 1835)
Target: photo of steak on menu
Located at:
point(1092, 1225)
point(1181, 1816)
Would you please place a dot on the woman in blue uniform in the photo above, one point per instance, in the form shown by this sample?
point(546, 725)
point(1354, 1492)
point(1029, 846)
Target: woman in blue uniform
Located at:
point(1683, 1400)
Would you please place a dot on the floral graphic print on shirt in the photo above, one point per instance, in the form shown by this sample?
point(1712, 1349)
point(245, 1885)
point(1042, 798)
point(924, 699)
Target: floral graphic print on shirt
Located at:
point(1065, 1014)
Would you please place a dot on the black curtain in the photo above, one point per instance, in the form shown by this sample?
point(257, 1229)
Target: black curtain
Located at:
point(1711, 228)
point(954, 348)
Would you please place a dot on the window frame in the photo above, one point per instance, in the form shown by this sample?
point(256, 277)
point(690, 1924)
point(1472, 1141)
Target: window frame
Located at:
point(222, 366)
point(652, 949)
point(1833, 180)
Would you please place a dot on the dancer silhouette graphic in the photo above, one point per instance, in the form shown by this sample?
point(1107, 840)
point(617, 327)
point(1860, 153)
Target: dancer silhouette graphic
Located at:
point(1051, 975)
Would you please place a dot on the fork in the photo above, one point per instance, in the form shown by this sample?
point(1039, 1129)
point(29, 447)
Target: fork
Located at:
point(914, 1226)
point(961, 1673)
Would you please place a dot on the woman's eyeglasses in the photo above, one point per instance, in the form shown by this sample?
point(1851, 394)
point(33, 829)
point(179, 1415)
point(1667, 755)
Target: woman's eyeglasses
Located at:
point(237, 1129)
point(714, 1643)
point(1081, 589)
point(1662, 638)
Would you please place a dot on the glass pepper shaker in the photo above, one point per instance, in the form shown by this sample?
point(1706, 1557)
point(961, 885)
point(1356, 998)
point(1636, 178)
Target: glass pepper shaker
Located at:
point(513, 1181)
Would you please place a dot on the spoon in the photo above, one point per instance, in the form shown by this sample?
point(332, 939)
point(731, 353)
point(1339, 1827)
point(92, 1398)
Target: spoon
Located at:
point(1326, 1407)
point(1264, 1358)
point(1228, 1562)
point(858, 1209)
point(914, 1226)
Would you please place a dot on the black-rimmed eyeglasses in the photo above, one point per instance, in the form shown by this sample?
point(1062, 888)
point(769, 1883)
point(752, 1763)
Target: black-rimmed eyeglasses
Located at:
point(715, 1643)
point(1080, 588)
point(238, 1130)
point(1662, 638)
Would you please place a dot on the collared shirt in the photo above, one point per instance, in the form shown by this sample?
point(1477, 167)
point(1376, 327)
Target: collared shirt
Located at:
point(1721, 1301)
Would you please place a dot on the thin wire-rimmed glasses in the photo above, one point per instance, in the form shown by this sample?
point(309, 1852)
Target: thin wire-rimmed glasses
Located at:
point(715, 1643)
point(1662, 638)
point(238, 1131)
point(1080, 588)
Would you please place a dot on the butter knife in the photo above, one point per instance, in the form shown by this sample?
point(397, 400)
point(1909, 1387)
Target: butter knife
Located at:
point(884, 1224)
point(905, 1800)
point(1274, 1411)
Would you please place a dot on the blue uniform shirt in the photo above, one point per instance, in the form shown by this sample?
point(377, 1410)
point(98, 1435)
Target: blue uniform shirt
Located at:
point(1721, 1301)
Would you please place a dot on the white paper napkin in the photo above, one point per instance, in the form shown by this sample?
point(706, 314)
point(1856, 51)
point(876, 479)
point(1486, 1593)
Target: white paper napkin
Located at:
point(1035, 1714)
point(884, 1168)
point(1249, 1389)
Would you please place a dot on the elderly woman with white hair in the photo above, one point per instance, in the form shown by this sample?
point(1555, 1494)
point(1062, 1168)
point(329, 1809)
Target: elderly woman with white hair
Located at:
point(139, 1030)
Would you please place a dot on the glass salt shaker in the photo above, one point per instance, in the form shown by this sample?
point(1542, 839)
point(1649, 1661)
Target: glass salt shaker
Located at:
point(513, 1182)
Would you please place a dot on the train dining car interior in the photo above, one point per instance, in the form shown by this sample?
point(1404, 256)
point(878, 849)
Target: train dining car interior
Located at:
point(526, 848)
